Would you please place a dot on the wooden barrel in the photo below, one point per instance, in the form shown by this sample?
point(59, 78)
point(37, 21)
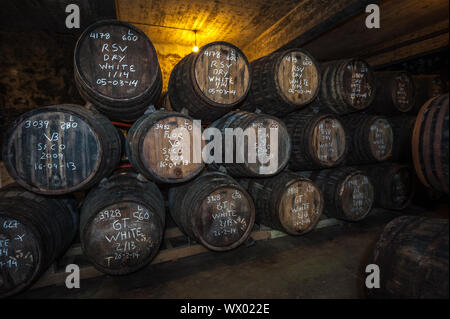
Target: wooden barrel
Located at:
point(393, 184)
point(34, 231)
point(166, 147)
point(371, 138)
point(430, 144)
point(122, 223)
point(288, 202)
point(427, 86)
point(402, 126)
point(412, 255)
point(348, 193)
point(211, 82)
point(265, 153)
point(117, 70)
point(347, 86)
point(318, 141)
point(214, 210)
point(60, 149)
point(283, 82)
point(395, 93)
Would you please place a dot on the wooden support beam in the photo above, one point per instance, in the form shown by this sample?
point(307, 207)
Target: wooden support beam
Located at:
point(400, 53)
point(305, 22)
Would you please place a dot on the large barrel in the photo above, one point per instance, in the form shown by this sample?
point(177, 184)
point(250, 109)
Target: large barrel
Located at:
point(371, 138)
point(214, 210)
point(318, 141)
point(348, 193)
point(427, 86)
point(288, 202)
point(395, 93)
point(210, 83)
point(393, 184)
point(430, 144)
point(166, 147)
point(412, 256)
point(34, 231)
point(122, 223)
point(283, 82)
point(402, 126)
point(261, 145)
point(347, 86)
point(116, 69)
point(61, 149)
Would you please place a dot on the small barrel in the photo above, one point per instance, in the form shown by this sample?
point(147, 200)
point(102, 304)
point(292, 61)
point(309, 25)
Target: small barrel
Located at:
point(430, 144)
point(393, 184)
point(412, 256)
point(166, 147)
point(318, 141)
point(60, 149)
point(283, 82)
point(34, 231)
point(395, 93)
point(116, 69)
point(261, 145)
point(214, 210)
point(348, 193)
point(402, 127)
point(372, 138)
point(211, 82)
point(288, 202)
point(427, 86)
point(347, 86)
point(122, 223)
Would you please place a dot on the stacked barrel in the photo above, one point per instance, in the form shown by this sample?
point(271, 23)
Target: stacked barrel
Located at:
point(285, 141)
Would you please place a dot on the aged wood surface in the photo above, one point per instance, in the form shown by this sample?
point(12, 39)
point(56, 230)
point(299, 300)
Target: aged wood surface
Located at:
point(163, 147)
point(61, 149)
point(117, 70)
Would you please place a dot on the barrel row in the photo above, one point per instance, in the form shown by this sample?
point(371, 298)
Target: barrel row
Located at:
point(66, 148)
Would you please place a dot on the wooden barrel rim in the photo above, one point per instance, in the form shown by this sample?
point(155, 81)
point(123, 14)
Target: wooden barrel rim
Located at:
point(197, 88)
point(437, 149)
point(37, 245)
point(286, 227)
point(83, 77)
point(200, 237)
point(62, 108)
point(416, 141)
point(343, 89)
point(148, 125)
point(313, 125)
point(87, 226)
point(276, 66)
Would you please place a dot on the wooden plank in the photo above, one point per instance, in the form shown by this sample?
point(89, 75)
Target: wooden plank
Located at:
point(411, 50)
point(306, 21)
point(58, 277)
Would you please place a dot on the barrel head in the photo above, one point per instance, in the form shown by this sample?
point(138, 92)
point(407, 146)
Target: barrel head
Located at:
point(328, 141)
point(356, 195)
point(222, 74)
point(122, 237)
point(297, 77)
point(381, 138)
point(225, 218)
point(115, 61)
point(300, 207)
point(358, 84)
point(19, 255)
point(53, 152)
